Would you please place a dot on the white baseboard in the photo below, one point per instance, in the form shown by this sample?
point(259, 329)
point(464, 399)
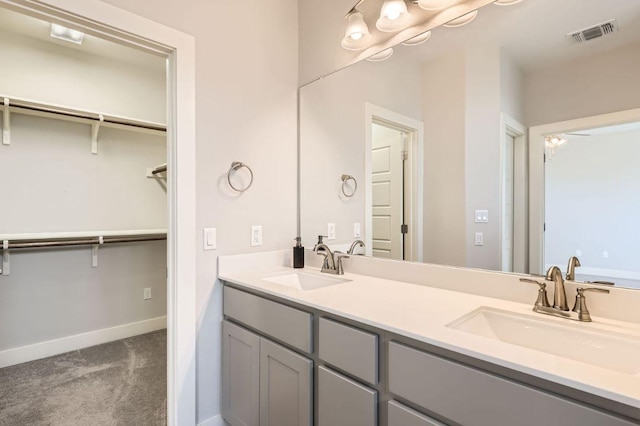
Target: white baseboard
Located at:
point(214, 421)
point(71, 343)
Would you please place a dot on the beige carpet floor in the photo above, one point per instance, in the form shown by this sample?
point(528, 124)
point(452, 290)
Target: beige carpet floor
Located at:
point(117, 383)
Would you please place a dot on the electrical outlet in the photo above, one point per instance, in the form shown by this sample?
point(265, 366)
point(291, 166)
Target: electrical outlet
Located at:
point(147, 293)
point(605, 254)
point(331, 231)
point(356, 230)
point(256, 236)
point(578, 252)
point(479, 239)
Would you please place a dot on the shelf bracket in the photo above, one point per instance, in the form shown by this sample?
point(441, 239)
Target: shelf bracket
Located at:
point(95, 129)
point(6, 269)
point(6, 125)
point(94, 252)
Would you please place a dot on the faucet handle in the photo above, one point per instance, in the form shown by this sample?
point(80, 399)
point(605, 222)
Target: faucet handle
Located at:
point(338, 258)
point(580, 306)
point(541, 301)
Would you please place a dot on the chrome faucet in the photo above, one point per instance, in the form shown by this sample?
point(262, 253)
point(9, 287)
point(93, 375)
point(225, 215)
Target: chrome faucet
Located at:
point(332, 261)
point(574, 262)
point(559, 295)
point(356, 243)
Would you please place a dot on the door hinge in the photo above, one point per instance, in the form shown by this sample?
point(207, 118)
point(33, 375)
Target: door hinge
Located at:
point(544, 158)
point(404, 229)
point(544, 227)
point(404, 155)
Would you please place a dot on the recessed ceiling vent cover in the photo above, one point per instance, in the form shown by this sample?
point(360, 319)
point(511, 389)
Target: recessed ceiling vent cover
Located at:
point(594, 32)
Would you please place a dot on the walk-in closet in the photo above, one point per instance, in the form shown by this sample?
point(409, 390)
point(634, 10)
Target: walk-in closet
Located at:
point(83, 228)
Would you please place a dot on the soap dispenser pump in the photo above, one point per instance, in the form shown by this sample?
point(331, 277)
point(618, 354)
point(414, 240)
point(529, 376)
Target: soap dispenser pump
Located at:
point(298, 254)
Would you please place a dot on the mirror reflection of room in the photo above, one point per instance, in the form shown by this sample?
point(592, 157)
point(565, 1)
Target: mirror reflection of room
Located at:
point(477, 91)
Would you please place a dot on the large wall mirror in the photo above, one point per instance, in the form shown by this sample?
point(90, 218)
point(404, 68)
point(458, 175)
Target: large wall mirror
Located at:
point(510, 144)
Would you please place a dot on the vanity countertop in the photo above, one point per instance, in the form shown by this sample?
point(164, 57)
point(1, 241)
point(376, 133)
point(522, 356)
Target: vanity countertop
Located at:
point(422, 313)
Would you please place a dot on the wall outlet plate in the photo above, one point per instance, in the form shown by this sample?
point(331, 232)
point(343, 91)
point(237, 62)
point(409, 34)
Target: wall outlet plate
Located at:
point(331, 231)
point(479, 238)
point(256, 236)
point(147, 293)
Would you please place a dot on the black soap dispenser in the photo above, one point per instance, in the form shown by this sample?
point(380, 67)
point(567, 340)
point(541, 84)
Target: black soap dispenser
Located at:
point(298, 254)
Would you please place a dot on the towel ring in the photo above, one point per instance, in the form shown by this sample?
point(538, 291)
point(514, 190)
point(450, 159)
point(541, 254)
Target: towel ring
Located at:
point(237, 165)
point(345, 179)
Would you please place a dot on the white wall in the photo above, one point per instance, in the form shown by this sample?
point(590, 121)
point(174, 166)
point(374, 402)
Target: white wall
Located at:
point(581, 88)
point(246, 81)
point(332, 131)
point(52, 183)
point(64, 74)
point(591, 203)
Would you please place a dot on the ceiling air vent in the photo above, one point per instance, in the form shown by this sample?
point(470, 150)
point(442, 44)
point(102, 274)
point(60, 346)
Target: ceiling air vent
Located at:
point(594, 32)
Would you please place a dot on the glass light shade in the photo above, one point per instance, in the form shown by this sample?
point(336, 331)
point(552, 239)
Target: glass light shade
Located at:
point(381, 56)
point(394, 16)
point(462, 20)
point(419, 39)
point(66, 34)
point(356, 35)
point(434, 4)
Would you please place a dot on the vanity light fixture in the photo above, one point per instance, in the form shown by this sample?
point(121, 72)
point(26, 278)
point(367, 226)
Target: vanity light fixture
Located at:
point(419, 39)
point(506, 2)
point(356, 35)
point(381, 56)
point(394, 16)
point(67, 34)
point(462, 20)
point(434, 4)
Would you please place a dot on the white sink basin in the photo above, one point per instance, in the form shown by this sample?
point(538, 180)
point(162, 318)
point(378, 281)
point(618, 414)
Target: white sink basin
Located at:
point(305, 280)
point(579, 342)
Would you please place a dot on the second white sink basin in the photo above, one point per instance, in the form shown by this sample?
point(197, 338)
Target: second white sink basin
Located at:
point(305, 280)
point(613, 351)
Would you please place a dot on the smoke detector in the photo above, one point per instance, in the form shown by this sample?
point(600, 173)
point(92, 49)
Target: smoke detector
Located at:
point(594, 32)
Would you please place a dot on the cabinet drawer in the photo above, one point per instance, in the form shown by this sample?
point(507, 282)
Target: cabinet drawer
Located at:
point(287, 324)
point(469, 396)
point(352, 350)
point(401, 415)
point(343, 402)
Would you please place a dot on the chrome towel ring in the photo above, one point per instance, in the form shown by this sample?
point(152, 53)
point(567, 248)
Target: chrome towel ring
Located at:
point(345, 179)
point(237, 165)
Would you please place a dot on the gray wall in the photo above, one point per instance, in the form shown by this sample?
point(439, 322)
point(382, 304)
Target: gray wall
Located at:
point(246, 82)
point(52, 183)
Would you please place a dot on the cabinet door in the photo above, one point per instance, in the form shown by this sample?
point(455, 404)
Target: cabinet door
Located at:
point(343, 402)
point(240, 376)
point(285, 386)
point(400, 415)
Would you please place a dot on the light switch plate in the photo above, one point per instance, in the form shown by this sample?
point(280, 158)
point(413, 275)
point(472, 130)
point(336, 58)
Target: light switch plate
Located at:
point(331, 231)
point(209, 238)
point(479, 239)
point(356, 230)
point(147, 293)
point(482, 216)
point(256, 236)
point(605, 254)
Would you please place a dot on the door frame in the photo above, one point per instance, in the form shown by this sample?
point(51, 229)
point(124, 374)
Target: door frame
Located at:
point(115, 24)
point(415, 138)
point(518, 131)
point(537, 171)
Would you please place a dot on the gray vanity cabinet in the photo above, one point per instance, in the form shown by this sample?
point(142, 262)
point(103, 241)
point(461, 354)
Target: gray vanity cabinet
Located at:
point(468, 396)
point(344, 402)
point(240, 375)
point(285, 386)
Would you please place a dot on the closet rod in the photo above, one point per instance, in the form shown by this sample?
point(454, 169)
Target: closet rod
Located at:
point(61, 242)
point(31, 106)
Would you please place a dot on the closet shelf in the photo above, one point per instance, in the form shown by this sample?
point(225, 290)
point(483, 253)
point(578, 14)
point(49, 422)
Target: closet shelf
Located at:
point(39, 109)
point(66, 239)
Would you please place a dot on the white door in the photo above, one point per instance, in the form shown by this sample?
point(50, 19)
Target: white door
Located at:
point(387, 191)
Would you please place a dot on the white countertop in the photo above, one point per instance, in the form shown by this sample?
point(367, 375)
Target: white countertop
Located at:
point(422, 313)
